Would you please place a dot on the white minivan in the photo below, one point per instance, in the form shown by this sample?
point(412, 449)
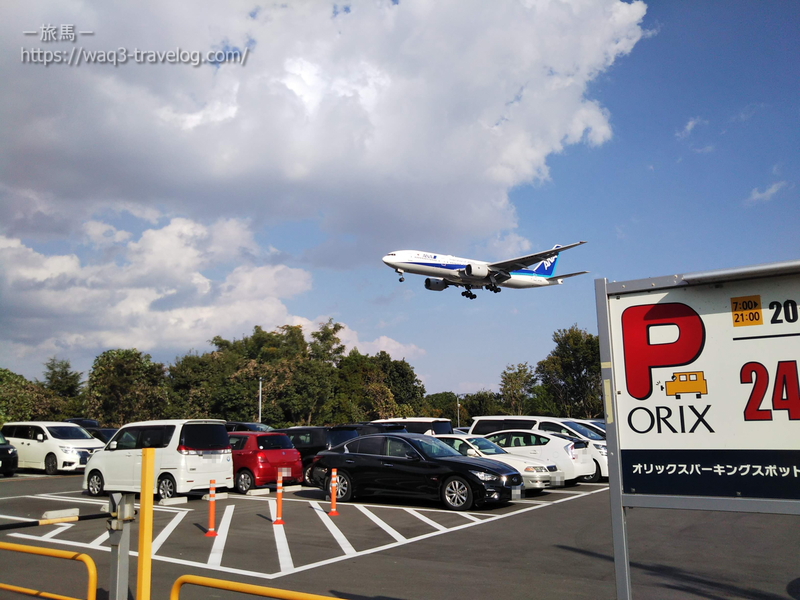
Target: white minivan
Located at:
point(51, 445)
point(189, 454)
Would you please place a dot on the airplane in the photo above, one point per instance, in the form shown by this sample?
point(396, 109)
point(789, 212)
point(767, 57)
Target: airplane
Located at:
point(445, 271)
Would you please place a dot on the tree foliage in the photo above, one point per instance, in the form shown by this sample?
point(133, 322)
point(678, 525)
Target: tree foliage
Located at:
point(570, 375)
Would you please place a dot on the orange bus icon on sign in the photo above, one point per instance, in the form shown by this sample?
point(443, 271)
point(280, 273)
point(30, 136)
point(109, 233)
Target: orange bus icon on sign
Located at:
point(688, 382)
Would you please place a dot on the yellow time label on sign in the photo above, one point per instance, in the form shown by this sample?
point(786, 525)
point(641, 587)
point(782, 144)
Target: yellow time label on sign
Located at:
point(746, 311)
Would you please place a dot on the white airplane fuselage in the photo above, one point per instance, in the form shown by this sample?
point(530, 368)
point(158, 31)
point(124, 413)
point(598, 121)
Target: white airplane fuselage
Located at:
point(456, 270)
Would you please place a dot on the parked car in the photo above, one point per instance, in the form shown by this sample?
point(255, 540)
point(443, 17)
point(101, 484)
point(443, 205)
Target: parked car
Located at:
point(50, 445)
point(104, 434)
point(596, 442)
point(8, 457)
point(423, 425)
point(570, 454)
point(537, 474)
point(413, 465)
point(257, 456)
point(310, 440)
point(189, 454)
point(242, 426)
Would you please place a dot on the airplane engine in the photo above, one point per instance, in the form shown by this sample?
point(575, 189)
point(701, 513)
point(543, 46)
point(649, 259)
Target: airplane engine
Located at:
point(437, 285)
point(476, 271)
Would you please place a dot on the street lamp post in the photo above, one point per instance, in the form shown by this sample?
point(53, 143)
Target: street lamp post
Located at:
point(259, 399)
point(458, 413)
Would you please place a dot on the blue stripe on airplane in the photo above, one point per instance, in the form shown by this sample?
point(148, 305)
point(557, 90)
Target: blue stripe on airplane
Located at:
point(457, 267)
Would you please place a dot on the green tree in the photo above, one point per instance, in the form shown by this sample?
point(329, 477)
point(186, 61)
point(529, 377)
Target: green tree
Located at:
point(23, 400)
point(61, 379)
point(125, 386)
point(483, 402)
point(516, 387)
point(570, 375)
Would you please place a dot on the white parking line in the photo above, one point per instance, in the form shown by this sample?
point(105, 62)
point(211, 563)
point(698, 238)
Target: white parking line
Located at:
point(61, 527)
point(347, 548)
point(425, 519)
point(167, 531)
point(100, 540)
point(215, 558)
point(282, 544)
point(286, 564)
point(380, 523)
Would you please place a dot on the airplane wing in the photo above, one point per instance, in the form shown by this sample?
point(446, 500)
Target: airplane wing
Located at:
point(530, 259)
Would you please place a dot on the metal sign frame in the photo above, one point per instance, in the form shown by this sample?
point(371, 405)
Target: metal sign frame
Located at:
point(620, 501)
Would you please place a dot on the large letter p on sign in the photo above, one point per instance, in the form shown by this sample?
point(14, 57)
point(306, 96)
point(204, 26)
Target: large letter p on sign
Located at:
point(641, 356)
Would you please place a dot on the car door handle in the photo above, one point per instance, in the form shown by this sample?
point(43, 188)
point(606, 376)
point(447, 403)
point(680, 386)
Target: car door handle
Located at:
point(388, 464)
point(350, 462)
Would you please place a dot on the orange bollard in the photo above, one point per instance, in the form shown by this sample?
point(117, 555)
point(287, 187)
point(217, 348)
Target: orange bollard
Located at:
point(334, 491)
point(279, 520)
point(212, 509)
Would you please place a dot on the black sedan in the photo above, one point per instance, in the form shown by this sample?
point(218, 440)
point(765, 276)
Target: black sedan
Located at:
point(414, 466)
point(8, 457)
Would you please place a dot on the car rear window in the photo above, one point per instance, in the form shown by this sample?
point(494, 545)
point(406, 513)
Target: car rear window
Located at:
point(204, 436)
point(274, 442)
point(483, 427)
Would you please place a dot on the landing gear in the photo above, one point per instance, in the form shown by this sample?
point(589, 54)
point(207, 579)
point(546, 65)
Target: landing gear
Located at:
point(493, 288)
point(400, 272)
point(468, 293)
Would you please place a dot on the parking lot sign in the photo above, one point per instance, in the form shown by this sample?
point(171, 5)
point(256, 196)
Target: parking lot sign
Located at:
point(702, 392)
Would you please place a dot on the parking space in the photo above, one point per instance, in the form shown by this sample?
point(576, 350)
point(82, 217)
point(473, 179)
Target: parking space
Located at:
point(309, 539)
point(557, 545)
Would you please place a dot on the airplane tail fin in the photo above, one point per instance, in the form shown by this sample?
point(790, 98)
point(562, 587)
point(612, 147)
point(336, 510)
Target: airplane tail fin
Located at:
point(547, 268)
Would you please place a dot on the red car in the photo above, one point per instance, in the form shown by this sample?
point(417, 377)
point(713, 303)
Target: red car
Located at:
point(257, 456)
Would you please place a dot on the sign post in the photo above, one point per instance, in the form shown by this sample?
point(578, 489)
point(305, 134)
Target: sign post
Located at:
point(702, 393)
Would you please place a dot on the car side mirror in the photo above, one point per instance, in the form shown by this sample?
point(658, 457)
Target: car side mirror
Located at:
point(39, 437)
point(412, 456)
point(112, 446)
point(472, 452)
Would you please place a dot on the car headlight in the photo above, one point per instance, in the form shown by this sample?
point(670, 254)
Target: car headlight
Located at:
point(602, 448)
point(535, 469)
point(484, 476)
point(68, 449)
point(13, 451)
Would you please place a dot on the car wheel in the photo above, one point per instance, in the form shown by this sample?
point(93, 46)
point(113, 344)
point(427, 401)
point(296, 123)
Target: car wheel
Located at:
point(456, 494)
point(244, 481)
point(307, 474)
point(344, 487)
point(95, 483)
point(9, 473)
point(50, 464)
point(594, 478)
point(166, 487)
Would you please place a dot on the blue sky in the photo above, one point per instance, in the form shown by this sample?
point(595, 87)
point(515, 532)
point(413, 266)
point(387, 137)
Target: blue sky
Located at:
point(155, 206)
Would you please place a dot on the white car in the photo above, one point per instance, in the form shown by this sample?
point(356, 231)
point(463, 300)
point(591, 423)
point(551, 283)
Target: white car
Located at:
point(190, 453)
point(536, 474)
point(596, 442)
point(51, 445)
point(570, 455)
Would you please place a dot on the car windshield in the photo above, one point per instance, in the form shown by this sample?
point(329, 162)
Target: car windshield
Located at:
point(584, 431)
point(3, 440)
point(486, 446)
point(69, 433)
point(433, 447)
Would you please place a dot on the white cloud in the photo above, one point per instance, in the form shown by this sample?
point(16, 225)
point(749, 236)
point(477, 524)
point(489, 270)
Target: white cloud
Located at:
point(689, 127)
point(404, 116)
point(757, 196)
